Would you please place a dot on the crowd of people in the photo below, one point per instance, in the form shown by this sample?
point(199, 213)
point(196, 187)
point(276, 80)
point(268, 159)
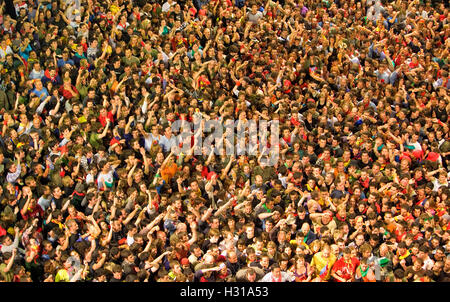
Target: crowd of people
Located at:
point(92, 190)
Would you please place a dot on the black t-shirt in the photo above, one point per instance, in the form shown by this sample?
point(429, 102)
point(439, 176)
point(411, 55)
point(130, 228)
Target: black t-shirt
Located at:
point(312, 158)
point(362, 165)
point(233, 267)
point(50, 226)
point(413, 47)
point(411, 271)
point(116, 236)
point(310, 126)
point(21, 202)
point(299, 222)
point(206, 244)
point(58, 203)
point(441, 114)
point(263, 106)
point(88, 211)
point(68, 191)
point(441, 277)
point(72, 239)
point(318, 150)
point(249, 241)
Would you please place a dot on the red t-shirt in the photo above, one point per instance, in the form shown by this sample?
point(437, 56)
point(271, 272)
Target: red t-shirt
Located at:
point(103, 119)
point(66, 93)
point(36, 211)
point(345, 270)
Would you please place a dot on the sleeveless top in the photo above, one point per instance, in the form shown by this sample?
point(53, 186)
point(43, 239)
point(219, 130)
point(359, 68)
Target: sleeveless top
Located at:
point(301, 277)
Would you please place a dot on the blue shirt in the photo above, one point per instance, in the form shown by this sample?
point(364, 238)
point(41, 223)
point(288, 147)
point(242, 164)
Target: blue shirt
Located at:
point(26, 53)
point(42, 94)
point(61, 62)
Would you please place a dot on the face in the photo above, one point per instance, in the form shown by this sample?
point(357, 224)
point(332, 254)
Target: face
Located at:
point(250, 232)
point(198, 252)
point(68, 263)
point(232, 257)
point(74, 227)
point(335, 250)
point(251, 277)
point(117, 226)
point(7, 241)
point(57, 193)
point(326, 219)
point(359, 240)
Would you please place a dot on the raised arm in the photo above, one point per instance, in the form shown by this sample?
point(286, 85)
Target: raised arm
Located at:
point(224, 207)
point(131, 215)
point(105, 131)
point(10, 262)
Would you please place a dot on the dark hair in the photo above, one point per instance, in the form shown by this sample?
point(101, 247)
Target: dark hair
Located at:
point(399, 273)
point(274, 266)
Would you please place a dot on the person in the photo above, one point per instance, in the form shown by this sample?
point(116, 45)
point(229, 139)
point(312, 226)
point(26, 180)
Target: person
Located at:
point(208, 274)
point(345, 267)
point(364, 273)
point(6, 265)
point(276, 275)
point(117, 141)
point(323, 262)
point(9, 245)
point(250, 274)
point(301, 269)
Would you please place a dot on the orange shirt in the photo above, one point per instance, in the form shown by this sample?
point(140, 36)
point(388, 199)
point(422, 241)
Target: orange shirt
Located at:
point(169, 172)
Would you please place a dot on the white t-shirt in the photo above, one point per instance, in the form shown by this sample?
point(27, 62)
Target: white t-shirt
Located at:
point(6, 51)
point(108, 178)
point(89, 178)
point(166, 6)
point(437, 184)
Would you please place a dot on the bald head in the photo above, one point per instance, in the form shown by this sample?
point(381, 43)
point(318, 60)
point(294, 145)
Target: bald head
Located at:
point(232, 257)
point(209, 259)
point(305, 228)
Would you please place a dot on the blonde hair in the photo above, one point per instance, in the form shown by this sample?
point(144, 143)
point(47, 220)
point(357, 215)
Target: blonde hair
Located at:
point(66, 180)
point(314, 244)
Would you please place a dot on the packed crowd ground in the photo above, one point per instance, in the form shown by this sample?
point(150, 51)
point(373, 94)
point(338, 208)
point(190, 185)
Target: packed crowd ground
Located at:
point(91, 189)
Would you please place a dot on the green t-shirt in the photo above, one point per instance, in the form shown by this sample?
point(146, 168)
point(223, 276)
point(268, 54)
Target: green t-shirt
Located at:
point(9, 275)
point(94, 140)
point(130, 61)
point(82, 90)
point(153, 52)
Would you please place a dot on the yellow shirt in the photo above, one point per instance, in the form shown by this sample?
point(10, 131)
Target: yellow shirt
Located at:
point(62, 276)
point(114, 9)
point(319, 262)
